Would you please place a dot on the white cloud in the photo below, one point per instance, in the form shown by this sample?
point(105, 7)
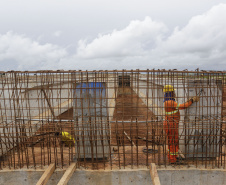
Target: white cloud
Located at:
point(28, 54)
point(57, 33)
point(147, 44)
point(137, 38)
point(142, 44)
point(203, 33)
point(202, 42)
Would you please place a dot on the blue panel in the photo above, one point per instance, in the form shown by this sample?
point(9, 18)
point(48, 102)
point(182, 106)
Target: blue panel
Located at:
point(94, 88)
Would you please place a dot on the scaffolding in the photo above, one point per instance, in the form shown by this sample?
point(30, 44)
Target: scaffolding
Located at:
point(110, 119)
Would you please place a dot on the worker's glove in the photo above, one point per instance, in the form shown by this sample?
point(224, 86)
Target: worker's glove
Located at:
point(195, 99)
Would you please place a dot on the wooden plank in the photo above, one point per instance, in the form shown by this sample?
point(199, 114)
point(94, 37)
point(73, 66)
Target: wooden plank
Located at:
point(46, 175)
point(129, 139)
point(154, 174)
point(151, 141)
point(67, 175)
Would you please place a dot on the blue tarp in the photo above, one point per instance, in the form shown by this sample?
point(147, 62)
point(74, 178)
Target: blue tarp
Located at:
point(93, 88)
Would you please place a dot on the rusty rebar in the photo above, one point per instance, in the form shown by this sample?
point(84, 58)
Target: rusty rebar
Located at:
point(111, 117)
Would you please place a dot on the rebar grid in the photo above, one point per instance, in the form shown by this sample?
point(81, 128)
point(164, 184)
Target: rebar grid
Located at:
point(111, 119)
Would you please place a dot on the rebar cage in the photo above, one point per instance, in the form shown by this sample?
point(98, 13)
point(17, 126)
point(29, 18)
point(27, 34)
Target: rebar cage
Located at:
point(111, 119)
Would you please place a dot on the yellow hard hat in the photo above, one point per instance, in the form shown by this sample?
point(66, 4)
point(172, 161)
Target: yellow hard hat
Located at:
point(168, 88)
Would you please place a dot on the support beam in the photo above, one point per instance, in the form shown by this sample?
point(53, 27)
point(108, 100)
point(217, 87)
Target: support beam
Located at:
point(49, 104)
point(154, 174)
point(46, 175)
point(67, 175)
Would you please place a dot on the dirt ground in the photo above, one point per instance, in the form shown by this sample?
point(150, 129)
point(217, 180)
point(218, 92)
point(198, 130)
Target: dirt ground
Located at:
point(131, 109)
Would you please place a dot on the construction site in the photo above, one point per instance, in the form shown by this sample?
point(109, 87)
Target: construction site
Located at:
point(112, 127)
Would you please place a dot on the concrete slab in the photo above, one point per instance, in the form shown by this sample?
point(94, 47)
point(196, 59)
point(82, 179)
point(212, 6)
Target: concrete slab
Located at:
point(168, 176)
point(20, 177)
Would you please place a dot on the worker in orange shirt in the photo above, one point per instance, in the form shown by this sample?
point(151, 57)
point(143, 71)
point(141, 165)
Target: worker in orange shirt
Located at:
point(171, 122)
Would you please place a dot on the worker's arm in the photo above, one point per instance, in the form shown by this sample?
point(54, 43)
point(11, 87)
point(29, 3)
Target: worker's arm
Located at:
point(189, 102)
point(172, 105)
point(186, 104)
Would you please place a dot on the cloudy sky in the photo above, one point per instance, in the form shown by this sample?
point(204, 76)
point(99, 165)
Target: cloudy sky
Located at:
point(104, 34)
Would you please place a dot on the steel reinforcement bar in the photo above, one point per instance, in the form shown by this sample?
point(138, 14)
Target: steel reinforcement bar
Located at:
point(112, 119)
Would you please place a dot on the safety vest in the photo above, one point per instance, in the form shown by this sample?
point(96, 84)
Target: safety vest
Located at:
point(172, 153)
point(173, 112)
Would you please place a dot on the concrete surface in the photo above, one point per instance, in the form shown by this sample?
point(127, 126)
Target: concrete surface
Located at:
point(115, 177)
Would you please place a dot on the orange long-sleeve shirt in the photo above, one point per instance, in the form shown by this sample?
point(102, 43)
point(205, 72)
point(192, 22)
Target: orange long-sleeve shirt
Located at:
point(171, 106)
point(171, 124)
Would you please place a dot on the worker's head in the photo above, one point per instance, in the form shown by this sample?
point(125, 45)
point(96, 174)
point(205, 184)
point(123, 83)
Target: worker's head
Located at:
point(169, 93)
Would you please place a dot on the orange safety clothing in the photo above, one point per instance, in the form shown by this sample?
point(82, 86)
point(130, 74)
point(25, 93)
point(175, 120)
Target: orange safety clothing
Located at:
point(171, 124)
